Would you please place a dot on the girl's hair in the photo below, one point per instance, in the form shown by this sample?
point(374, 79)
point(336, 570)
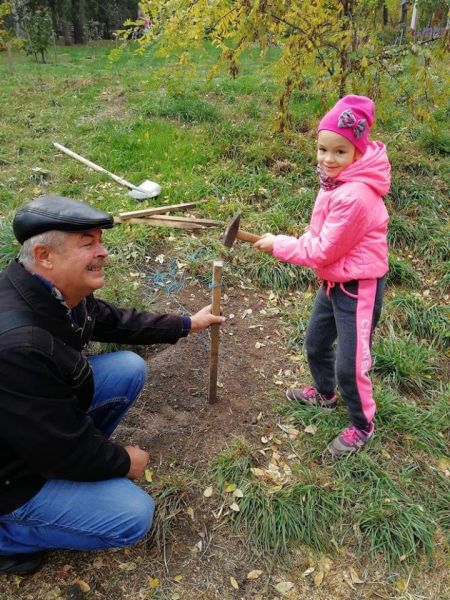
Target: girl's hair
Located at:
point(55, 239)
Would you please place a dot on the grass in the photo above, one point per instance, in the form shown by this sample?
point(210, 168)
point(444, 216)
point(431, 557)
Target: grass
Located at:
point(406, 363)
point(212, 139)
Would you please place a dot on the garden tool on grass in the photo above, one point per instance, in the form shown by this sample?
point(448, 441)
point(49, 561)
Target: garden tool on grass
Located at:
point(147, 189)
point(232, 233)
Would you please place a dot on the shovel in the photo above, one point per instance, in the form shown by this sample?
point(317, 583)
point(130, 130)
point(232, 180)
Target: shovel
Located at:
point(147, 189)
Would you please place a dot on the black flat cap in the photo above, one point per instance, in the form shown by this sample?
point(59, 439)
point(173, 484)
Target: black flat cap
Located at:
point(48, 213)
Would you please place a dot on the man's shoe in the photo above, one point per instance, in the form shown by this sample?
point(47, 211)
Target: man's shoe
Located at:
point(310, 396)
point(350, 440)
point(22, 564)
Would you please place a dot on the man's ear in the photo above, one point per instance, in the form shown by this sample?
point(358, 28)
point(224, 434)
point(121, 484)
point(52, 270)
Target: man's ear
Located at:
point(42, 256)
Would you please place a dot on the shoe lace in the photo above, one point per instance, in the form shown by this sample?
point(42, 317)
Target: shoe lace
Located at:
point(309, 392)
point(351, 434)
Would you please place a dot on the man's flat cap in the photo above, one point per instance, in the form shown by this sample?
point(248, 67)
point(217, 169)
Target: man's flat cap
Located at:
point(48, 213)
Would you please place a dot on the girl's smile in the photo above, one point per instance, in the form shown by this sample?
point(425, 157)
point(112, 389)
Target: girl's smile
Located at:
point(334, 152)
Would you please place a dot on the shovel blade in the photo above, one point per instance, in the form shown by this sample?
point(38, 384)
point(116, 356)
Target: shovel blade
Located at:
point(147, 189)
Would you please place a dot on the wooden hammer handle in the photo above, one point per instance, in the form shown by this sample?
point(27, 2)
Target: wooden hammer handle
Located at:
point(245, 236)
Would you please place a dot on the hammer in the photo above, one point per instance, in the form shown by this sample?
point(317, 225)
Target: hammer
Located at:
point(232, 233)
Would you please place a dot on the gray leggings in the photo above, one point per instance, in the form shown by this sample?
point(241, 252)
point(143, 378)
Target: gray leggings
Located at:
point(346, 312)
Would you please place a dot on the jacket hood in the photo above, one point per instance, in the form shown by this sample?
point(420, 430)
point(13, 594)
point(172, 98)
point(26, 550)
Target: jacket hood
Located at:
point(372, 168)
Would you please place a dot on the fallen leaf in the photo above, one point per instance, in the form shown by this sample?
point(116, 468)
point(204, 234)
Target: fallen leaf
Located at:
point(318, 578)
point(311, 429)
point(148, 475)
point(254, 574)
point(308, 571)
point(190, 512)
point(234, 583)
point(235, 507)
point(84, 587)
point(127, 566)
point(259, 345)
point(354, 576)
point(153, 582)
point(238, 493)
point(208, 492)
point(178, 578)
point(229, 487)
point(284, 586)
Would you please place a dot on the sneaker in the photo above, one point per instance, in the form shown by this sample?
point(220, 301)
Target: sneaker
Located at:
point(22, 564)
point(350, 440)
point(312, 397)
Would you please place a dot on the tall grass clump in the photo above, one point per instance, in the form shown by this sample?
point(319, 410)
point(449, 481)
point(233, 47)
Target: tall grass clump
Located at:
point(392, 526)
point(421, 426)
point(271, 273)
point(9, 246)
point(411, 313)
point(406, 364)
point(401, 272)
point(187, 108)
point(395, 528)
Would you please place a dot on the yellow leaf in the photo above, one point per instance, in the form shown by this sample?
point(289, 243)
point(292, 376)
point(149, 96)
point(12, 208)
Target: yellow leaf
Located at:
point(401, 585)
point(311, 429)
point(229, 487)
point(84, 587)
point(148, 475)
point(354, 576)
point(178, 578)
point(153, 582)
point(318, 578)
point(284, 586)
point(208, 492)
point(234, 583)
point(190, 512)
point(254, 574)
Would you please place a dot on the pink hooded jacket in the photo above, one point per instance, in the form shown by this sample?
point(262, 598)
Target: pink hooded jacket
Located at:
point(347, 234)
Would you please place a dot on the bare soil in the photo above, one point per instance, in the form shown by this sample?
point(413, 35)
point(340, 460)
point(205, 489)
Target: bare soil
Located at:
point(196, 553)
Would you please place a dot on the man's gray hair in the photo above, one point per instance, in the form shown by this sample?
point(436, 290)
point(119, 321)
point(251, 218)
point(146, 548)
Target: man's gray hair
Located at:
point(54, 239)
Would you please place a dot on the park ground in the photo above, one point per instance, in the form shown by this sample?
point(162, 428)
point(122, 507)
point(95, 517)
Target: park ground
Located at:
point(249, 504)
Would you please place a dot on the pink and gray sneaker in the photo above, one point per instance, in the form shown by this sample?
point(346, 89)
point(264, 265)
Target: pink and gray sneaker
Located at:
point(350, 440)
point(310, 396)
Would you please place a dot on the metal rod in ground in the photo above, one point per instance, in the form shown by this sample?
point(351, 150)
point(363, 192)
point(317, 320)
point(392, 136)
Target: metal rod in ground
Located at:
point(215, 331)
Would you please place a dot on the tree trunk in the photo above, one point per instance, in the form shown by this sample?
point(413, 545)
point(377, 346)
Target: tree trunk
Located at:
point(78, 21)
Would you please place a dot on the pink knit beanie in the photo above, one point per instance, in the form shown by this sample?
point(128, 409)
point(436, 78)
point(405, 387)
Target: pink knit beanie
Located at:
point(352, 117)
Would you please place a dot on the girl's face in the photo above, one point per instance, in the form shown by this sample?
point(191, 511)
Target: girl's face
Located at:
point(334, 152)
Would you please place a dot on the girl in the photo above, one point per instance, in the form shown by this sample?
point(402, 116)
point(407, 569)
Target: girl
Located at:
point(346, 246)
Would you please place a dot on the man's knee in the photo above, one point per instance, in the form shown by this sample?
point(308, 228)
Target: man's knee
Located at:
point(137, 520)
point(134, 364)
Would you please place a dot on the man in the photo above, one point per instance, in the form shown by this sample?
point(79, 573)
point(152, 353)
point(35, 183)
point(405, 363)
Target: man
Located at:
point(63, 482)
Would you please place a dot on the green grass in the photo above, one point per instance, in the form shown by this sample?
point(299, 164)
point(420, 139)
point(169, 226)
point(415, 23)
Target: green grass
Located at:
point(406, 363)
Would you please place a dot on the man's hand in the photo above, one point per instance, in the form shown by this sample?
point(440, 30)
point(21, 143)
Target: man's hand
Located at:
point(203, 319)
point(265, 243)
point(138, 461)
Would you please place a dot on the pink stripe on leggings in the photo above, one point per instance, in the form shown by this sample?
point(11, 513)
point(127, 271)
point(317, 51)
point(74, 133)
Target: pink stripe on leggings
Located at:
point(367, 289)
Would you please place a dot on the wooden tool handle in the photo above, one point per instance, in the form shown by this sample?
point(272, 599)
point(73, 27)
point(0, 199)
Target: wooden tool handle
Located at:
point(245, 236)
point(215, 309)
point(94, 167)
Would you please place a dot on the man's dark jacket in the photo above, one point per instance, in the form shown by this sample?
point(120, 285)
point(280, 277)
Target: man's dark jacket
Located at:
point(46, 386)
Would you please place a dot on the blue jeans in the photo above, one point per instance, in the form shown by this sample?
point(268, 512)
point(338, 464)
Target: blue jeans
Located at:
point(88, 515)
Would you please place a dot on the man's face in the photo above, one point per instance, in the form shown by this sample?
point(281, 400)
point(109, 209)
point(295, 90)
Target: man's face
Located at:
point(334, 152)
point(76, 269)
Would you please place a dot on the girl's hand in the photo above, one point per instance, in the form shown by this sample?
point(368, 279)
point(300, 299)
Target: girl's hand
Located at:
point(265, 243)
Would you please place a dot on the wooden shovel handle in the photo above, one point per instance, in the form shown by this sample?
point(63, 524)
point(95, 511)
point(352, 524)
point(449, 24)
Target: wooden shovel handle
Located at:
point(245, 236)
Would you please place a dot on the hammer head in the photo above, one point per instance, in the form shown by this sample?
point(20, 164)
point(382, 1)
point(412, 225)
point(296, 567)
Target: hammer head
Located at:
point(231, 231)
